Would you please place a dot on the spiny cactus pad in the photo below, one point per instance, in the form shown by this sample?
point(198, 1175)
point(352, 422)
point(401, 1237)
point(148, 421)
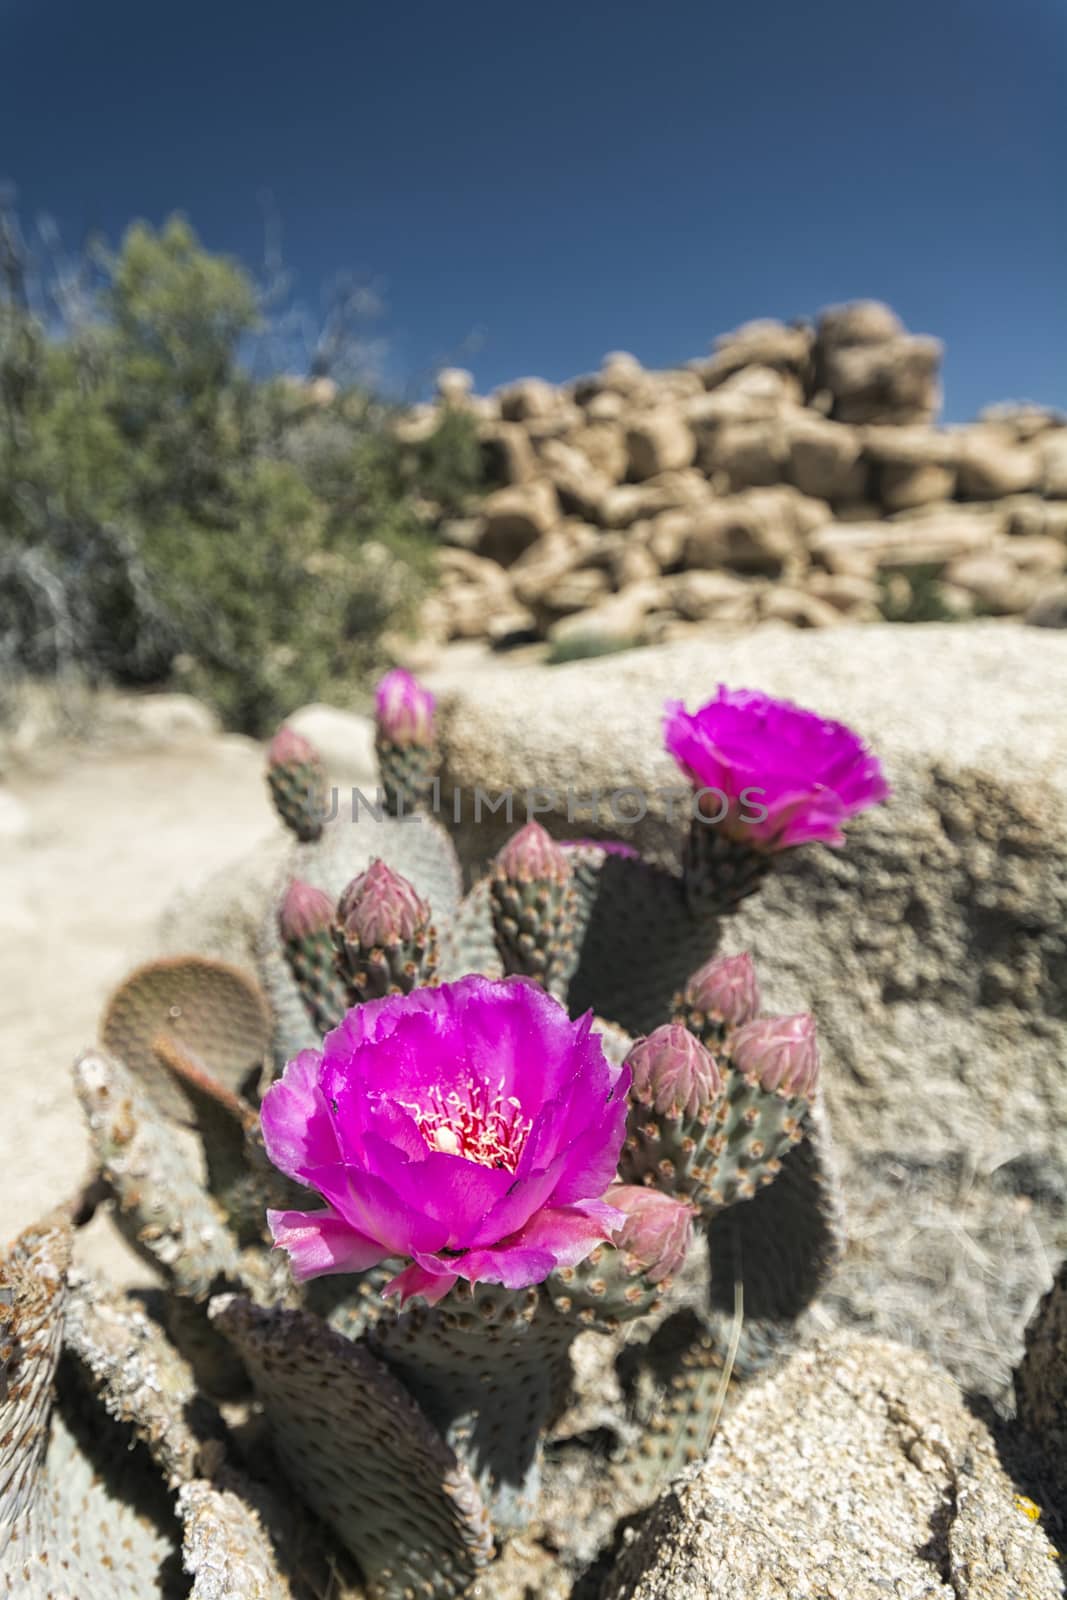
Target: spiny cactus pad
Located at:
point(719, 872)
point(297, 781)
point(161, 1205)
point(363, 1455)
point(305, 926)
point(214, 1012)
point(533, 902)
point(91, 1444)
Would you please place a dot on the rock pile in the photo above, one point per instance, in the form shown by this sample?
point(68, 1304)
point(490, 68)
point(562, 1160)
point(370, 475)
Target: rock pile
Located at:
point(794, 475)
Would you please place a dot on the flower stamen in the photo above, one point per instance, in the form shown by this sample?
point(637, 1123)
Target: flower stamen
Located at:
point(473, 1122)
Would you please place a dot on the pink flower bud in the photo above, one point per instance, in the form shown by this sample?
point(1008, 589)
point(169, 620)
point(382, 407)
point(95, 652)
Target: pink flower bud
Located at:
point(304, 911)
point(404, 709)
point(673, 1072)
point(289, 748)
point(380, 909)
point(533, 856)
point(656, 1233)
point(780, 1052)
point(726, 987)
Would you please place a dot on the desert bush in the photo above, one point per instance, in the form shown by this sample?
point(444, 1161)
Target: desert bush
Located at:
point(165, 514)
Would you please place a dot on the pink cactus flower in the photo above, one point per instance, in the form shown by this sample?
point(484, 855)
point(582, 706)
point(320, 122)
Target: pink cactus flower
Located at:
point(789, 775)
point(673, 1072)
point(404, 709)
point(470, 1129)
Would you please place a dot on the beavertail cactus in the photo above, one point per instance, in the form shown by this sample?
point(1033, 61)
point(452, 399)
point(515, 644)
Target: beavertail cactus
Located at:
point(384, 940)
point(501, 1120)
point(404, 741)
point(297, 781)
point(534, 902)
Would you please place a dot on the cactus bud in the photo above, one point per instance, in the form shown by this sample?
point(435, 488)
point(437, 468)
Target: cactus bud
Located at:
point(404, 741)
point(720, 996)
point(780, 1053)
point(533, 900)
point(305, 926)
point(726, 988)
point(673, 1072)
point(297, 781)
point(532, 855)
point(677, 1105)
point(384, 939)
point(656, 1234)
point(304, 912)
point(404, 709)
point(288, 747)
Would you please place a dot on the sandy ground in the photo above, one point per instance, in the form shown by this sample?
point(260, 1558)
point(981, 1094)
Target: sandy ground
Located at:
point(108, 839)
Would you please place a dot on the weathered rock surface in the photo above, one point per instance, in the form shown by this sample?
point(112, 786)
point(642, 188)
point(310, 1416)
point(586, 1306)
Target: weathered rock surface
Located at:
point(855, 1474)
point(932, 949)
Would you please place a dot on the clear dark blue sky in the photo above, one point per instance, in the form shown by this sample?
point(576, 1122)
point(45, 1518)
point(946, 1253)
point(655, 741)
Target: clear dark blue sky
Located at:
point(572, 178)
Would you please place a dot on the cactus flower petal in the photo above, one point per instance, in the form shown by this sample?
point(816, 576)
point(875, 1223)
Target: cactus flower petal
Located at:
point(809, 775)
point(321, 1242)
point(471, 1128)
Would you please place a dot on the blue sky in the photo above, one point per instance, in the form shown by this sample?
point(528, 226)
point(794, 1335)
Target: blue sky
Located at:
point(560, 180)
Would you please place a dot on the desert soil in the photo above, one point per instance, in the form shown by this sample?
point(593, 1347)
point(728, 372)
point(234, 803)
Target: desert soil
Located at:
point(108, 838)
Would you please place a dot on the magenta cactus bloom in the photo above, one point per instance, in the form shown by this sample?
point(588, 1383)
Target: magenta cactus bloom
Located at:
point(789, 775)
point(471, 1129)
point(726, 987)
point(304, 911)
point(381, 908)
point(780, 1052)
point(673, 1072)
point(532, 856)
point(404, 709)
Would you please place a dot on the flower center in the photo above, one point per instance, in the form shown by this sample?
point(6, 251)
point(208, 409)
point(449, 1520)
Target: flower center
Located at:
point(474, 1122)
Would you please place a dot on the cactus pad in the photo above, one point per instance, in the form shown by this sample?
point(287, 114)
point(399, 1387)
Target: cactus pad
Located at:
point(215, 1012)
point(363, 1454)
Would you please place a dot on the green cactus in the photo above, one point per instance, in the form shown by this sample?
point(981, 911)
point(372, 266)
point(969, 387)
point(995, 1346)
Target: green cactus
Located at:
point(305, 927)
point(113, 1473)
point(419, 850)
point(363, 1455)
point(296, 778)
point(533, 903)
point(720, 872)
point(414, 1436)
point(407, 774)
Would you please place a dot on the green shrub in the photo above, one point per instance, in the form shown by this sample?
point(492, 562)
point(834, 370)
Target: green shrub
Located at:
point(162, 514)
